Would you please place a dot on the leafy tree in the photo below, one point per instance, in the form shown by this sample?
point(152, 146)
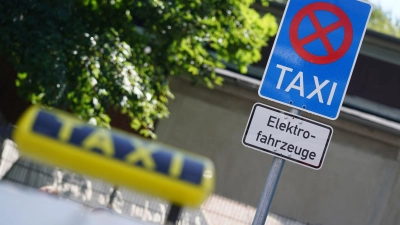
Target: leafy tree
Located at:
point(90, 56)
point(382, 21)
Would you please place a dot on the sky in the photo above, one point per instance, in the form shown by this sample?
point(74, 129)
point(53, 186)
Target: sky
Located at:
point(389, 5)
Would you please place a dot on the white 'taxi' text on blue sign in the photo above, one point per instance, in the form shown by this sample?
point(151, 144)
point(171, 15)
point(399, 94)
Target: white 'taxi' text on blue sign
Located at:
point(314, 54)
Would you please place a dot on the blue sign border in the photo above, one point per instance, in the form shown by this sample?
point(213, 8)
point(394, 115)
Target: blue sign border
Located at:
point(335, 114)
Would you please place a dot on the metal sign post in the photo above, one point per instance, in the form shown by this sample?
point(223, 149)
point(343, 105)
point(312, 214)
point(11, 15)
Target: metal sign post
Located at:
point(270, 186)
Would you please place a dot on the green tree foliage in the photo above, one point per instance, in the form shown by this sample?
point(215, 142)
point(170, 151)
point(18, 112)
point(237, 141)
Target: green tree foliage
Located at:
point(89, 56)
point(382, 21)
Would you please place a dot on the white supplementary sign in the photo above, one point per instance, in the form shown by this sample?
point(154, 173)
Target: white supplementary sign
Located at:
point(288, 136)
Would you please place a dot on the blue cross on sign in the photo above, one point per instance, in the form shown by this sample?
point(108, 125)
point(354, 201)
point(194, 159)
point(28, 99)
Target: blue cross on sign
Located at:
point(314, 54)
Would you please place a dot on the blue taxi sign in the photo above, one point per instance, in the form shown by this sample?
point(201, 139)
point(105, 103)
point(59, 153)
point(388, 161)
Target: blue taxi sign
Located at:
point(314, 54)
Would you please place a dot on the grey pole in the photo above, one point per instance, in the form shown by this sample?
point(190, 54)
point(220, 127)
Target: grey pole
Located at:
point(270, 186)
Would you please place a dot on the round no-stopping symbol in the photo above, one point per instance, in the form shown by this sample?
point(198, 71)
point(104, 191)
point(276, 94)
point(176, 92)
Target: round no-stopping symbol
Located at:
point(321, 33)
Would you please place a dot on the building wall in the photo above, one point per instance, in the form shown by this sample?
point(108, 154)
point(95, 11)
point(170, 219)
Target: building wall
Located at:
point(356, 185)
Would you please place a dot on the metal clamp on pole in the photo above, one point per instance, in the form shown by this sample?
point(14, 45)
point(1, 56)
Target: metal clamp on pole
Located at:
point(270, 186)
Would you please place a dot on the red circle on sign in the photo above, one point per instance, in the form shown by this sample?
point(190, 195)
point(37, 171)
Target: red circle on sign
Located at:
point(321, 33)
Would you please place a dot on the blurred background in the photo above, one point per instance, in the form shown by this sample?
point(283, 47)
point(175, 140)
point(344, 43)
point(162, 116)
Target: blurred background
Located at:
point(187, 74)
